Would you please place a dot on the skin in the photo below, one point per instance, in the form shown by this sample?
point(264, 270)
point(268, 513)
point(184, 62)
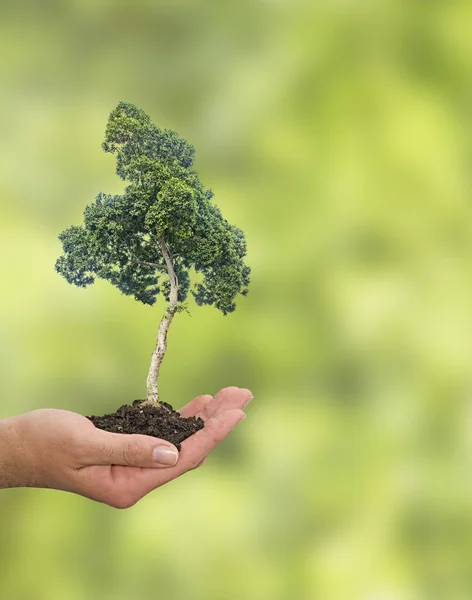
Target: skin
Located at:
point(62, 450)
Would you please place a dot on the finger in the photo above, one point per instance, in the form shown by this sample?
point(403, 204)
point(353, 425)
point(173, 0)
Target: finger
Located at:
point(200, 464)
point(195, 449)
point(131, 450)
point(244, 403)
point(196, 406)
point(226, 399)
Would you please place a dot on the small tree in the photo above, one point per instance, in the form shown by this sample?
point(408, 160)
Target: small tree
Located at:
point(148, 240)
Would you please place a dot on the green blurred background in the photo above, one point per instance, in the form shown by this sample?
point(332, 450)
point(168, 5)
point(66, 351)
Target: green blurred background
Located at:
point(337, 135)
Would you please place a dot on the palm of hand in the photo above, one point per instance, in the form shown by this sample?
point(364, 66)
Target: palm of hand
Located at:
point(117, 469)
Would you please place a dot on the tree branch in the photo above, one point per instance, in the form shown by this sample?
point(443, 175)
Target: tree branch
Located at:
point(150, 264)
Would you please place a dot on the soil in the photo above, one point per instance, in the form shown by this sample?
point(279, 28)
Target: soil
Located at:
point(160, 421)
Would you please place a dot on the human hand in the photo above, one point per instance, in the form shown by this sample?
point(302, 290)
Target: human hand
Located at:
point(62, 450)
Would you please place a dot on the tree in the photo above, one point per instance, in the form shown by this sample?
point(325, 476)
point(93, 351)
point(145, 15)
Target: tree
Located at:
point(160, 231)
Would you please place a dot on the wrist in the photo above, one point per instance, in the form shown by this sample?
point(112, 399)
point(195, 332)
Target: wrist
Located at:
point(12, 467)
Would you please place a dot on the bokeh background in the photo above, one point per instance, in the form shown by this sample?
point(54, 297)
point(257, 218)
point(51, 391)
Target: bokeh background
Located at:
point(337, 135)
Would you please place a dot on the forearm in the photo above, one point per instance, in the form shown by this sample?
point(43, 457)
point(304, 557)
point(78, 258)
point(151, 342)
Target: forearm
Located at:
point(12, 472)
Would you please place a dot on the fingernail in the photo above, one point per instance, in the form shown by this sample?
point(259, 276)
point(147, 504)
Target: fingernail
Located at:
point(248, 400)
point(164, 455)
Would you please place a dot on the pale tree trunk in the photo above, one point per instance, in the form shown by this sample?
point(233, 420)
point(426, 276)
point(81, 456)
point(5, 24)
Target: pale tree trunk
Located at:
point(161, 346)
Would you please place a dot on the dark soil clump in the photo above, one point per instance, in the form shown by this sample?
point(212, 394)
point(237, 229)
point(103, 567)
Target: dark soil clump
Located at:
point(160, 421)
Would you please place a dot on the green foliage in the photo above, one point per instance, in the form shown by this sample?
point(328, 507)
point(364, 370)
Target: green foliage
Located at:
point(164, 200)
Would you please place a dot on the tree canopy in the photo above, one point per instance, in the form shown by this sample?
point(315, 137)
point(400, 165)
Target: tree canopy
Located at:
point(164, 202)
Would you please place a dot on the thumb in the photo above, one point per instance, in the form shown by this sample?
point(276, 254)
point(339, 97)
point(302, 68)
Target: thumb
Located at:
point(131, 450)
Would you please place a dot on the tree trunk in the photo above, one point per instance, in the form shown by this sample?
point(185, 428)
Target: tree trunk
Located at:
point(161, 346)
